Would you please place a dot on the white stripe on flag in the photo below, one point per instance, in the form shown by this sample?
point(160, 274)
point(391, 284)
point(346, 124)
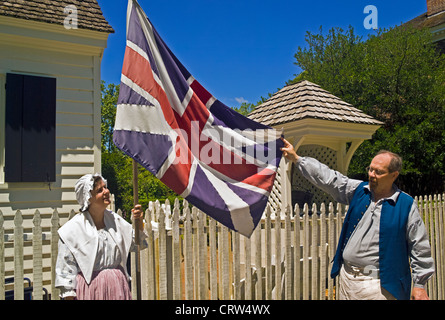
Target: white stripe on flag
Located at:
point(239, 210)
point(146, 119)
point(234, 140)
point(192, 174)
point(129, 83)
point(236, 183)
point(169, 88)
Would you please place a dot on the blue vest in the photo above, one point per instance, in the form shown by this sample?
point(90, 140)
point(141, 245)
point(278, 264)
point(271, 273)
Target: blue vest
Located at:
point(395, 274)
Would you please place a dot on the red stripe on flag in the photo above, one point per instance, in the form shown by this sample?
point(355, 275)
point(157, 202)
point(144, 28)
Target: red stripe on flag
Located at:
point(200, 91)
point(178, 174)
point(263, 180)
point(138, 70)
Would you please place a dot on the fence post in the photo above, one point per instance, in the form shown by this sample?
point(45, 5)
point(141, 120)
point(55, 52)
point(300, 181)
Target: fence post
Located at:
point(213, 261)
point(18, 257)
point(176, 252)
point(162, 255)
point(433, 245)
point(267, 230)
point(37, 257)
point(54, 251)
point(323, 252)
point(150, 260)
point(306, 244)
point(278, 254)
point(331, 249)
point(224, 254)
point(236, 266)
point(248, 269)
point(441, 262)
point(188, 253)
point(288, 254)
point(314, 254)
point(202, 255)
point(2, 258)
point(297, 254)
point(438, 232)
point(258, 264)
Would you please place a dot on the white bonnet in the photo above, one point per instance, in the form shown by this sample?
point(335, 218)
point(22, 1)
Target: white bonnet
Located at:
point(83, 189)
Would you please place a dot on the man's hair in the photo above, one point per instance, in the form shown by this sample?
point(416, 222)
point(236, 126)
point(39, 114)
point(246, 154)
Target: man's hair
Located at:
point(396, 162)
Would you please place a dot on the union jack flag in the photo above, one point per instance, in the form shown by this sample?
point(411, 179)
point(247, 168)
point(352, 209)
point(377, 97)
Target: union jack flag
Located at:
point(220, 161)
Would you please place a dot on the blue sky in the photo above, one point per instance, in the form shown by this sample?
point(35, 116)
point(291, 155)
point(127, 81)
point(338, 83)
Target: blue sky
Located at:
point(241, 50)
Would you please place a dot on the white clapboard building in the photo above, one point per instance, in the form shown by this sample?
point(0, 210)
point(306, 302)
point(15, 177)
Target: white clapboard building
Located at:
point(50, 102)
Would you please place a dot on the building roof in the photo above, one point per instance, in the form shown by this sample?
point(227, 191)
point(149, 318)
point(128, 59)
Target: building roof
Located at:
point(303, 100)
point(425, 21)
point(52, 11)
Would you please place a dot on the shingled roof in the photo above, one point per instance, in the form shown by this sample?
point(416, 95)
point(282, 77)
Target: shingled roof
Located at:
point(303, 100)
point(52, 11)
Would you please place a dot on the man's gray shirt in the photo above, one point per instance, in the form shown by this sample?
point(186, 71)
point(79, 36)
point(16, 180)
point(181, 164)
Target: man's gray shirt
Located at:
point(362, 249)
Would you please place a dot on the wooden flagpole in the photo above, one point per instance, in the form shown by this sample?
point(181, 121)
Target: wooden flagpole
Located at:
point(136, 232)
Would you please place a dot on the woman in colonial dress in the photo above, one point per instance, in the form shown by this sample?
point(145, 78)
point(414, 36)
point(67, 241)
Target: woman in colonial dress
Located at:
point(94, 246)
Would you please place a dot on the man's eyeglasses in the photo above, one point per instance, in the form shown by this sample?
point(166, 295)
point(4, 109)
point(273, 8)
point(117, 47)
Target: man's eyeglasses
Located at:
point(377, 172)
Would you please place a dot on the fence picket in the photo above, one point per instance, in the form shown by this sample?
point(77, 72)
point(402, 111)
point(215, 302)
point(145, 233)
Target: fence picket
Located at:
point(306, 247)
point(331, 248)
point(176, 257)
point(162, 255)
point(322, 253)
point(258, 263)
point(314, 253)
point(2, 257)
point(277, 230)
point(268, 244)
point(150, 272)
point(37, 257)
point(213, 261)
point(188, 254)
point(18, 257)
point(297, 253)
point(288, 254)
point(248, 269)
point(54, 250)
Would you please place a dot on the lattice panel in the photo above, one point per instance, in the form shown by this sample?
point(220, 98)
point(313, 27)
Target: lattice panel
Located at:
point(275, 199)
point(323, 154)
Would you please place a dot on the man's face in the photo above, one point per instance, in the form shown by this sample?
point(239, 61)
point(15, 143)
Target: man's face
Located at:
point(379, 176)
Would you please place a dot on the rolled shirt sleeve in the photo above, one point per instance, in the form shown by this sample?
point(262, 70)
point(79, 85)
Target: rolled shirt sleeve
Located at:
point(339, 186)
point(422, 263)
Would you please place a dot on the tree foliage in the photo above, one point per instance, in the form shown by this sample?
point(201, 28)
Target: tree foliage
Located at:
point(396, 76)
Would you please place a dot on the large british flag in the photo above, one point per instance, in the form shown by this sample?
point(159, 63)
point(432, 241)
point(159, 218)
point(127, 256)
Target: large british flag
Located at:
point(220, 161)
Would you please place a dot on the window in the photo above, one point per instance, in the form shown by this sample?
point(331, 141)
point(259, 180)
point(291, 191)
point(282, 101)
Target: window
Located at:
point(30, 129)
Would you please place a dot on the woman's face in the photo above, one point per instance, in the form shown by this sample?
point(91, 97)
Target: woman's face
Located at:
point(100, 195)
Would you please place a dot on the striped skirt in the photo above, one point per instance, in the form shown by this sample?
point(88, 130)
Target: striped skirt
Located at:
point(107, 284)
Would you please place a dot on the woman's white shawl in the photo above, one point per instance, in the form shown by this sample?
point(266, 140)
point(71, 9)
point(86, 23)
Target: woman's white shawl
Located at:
point(81, 237)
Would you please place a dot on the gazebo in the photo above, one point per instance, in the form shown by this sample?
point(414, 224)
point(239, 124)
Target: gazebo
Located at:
point(319, 125)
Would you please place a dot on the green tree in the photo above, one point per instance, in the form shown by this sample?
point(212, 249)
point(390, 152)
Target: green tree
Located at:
point(396, 76)
point(245, 108)
point(110, 94)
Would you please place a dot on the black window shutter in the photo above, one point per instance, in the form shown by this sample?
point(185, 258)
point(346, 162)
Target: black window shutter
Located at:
point(30, 129)
point(13, 128)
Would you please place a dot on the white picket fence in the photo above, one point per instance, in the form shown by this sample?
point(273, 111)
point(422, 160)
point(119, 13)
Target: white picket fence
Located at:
point(191, 256)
